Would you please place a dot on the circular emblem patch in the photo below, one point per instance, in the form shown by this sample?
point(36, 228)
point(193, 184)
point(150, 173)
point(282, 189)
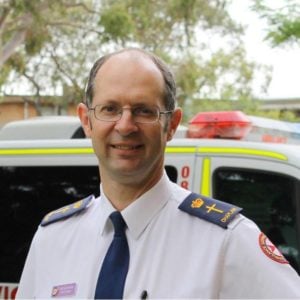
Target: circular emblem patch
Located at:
point(270, 249)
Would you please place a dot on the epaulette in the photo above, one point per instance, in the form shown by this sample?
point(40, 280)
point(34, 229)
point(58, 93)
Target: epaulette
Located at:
point(209, 209)
point(66, 211)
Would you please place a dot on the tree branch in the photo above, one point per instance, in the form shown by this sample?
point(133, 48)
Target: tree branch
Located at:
point(3, 16)
point(16, 40)
point(74, 25)
point(37, 94)
point(59, 67)
point(11, 45)
point(84, 6)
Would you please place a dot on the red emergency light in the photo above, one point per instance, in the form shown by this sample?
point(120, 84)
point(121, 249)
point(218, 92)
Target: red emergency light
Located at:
point(220, 124)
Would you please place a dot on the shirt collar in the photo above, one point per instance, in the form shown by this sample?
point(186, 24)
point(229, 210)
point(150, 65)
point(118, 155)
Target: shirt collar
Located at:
point(106, 208)
point(138, 214)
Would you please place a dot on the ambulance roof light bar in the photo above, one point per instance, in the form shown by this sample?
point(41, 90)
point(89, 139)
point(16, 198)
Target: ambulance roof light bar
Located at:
point(220, 124)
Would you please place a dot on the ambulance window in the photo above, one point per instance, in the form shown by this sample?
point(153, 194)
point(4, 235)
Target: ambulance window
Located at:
point(172, 173)
point(267, 198)
point(26, 195)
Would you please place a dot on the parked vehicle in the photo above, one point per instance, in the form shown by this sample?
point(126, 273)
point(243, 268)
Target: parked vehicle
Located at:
point(38, 176)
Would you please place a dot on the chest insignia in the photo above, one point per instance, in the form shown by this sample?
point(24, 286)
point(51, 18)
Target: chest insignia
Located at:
point(66, 211)
point(209, 209)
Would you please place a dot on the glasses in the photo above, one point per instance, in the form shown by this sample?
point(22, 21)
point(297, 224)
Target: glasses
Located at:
point(140, 113)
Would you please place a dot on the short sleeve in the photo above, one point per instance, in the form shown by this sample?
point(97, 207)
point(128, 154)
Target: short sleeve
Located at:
point(254, 267)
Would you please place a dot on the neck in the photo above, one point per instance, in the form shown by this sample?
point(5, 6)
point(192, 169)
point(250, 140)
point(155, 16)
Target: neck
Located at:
point(122, 194)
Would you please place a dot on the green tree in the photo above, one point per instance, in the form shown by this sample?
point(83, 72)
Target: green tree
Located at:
point(284, 21)
point(68, 35)
point(283, 30)
point(28, 27)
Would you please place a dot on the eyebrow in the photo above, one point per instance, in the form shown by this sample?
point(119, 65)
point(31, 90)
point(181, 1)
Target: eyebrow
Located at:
point(140, 103)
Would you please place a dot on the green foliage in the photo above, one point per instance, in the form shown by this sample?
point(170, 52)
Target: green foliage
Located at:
point(248, 106)
point(117, 24)
point(35, 40)
point(224, 76)
point(5, 71)
point(17, 63)
point(284, 22)
point(188, 75)
point(285, 115)
point(64, 37)
point(287, 31)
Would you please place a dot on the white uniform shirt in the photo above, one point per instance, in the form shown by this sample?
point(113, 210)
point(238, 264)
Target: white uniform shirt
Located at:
point(172, 254)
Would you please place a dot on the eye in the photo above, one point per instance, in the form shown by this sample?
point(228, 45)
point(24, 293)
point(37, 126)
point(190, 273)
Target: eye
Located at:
point(145, 111)
point(110, 109)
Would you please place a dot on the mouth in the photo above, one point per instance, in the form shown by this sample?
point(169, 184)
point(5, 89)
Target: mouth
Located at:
point(126, 147)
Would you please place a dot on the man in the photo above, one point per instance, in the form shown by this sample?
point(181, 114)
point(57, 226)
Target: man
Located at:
point(170, 249)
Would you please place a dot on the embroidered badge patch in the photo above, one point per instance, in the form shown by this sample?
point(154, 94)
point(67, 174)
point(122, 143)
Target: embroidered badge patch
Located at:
point(270, 250)
point(197, 203)
point(210, 209)
point(64, 290)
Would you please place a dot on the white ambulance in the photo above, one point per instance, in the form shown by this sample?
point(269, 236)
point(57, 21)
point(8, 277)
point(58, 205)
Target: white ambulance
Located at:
point(40, 175)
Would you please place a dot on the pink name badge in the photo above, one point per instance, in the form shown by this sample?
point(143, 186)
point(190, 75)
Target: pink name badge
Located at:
point(64, 290)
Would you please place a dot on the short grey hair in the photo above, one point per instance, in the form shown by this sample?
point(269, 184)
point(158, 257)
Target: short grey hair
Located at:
point(169, 81)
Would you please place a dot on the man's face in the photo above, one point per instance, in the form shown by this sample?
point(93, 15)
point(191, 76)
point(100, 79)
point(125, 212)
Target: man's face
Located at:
point(127, 151)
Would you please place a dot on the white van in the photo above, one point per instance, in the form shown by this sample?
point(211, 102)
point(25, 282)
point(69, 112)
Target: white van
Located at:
point(38, 176)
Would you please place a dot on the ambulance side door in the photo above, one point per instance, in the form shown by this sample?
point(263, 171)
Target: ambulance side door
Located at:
point(267, 190)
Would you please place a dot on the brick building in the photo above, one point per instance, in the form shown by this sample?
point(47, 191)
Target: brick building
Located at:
point(13, 108)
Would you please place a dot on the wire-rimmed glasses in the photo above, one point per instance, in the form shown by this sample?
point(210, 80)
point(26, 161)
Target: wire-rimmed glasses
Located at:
point(140, 113)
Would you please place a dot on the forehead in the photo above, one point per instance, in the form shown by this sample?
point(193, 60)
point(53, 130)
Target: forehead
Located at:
point(129, 70)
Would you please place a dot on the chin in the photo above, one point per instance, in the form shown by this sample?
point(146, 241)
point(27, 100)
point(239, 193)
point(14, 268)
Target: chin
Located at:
point(129, 174)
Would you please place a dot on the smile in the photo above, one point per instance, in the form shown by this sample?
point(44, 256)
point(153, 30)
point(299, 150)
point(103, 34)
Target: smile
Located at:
point(125, 147)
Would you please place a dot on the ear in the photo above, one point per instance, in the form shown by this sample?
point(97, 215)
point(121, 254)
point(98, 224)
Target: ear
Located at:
point(174, 122)
point(83, 114)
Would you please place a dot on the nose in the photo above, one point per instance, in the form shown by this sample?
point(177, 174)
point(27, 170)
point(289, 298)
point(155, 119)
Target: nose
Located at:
point(126, 125)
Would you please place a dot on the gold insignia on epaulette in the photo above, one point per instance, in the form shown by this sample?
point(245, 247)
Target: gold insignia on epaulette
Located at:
point(48, 216)
point(77, 204)
point(63, 209)
point(214, 209)
point(197, 203)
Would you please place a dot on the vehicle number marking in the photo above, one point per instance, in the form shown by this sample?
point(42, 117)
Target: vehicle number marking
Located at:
point(185, 173)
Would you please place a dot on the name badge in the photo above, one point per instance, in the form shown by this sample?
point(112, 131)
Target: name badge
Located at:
point(64, 290)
